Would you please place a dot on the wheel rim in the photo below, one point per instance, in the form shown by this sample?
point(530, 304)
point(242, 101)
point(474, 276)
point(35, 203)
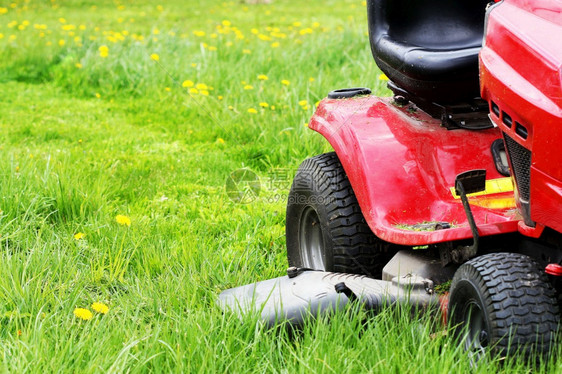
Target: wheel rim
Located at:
point(477, 335)
point(311, 240)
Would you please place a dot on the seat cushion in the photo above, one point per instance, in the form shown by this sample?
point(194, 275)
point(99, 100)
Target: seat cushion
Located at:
point(429, 47)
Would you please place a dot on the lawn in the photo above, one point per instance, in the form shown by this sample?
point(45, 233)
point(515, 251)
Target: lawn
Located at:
point(121, 122)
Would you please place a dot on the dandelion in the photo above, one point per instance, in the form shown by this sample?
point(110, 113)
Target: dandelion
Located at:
point(98, 95)
point(3, 10)
point(159, 8)
point(204, 92)
point(167, 89)
point(248, 87)
point(226, 23)
point(311, 79)
point(285, 82)
point(155, 57)
point(123, 220)
point(104, 51)
point(187, 84)
point(306, 124)
point(193, 64)
point(79, 235)
point(83, 314)
point(199, 33)
point(62, 43)
point(275, 45)
point(201, 86)
point(193, 90)
point(100, 308)
point(383, 77)
point(262, 77)
point(155, 31)
point(303, 103)
point(220, 140)
point(252, 111)
point(246, 52)
point(1, 35)
point(219, 97)
point(78, 65)
point(264, 105)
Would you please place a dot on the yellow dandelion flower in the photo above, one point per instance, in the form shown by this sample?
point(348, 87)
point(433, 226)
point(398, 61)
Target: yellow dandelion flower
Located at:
point(226, 23)
point(275, 45)
point(303, 103)
point(83, 314)
point(100, 308)
point(264, 105)
point(123, 220)
point(212, 48)
point(79, 235)
point(248, 87)
point(78, 65)
point(383, 77)
point(272, 107)
point(167, 89)
point(155, 57)
point(1, 35)
point(193, 64)
point(3, 10)
point(159, 8)
point(219, 97)
point(62, 43)
point(285, 82)
point(199, 33)
point(193, 90)
point(311, 79)
point(98, 95)
point(155, 31)
point(262, 77)
point(104, 51)
point(204, 92)
point(62, 20)
point(252, 111)
point(187, 84)
point(220, 140)
point(306, 124)
point(201, 86)
point(246, 52)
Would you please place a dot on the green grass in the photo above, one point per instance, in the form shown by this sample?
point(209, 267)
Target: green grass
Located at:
point(85, 138)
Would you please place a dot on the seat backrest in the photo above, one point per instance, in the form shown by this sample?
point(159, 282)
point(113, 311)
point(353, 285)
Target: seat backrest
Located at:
point(430, 24)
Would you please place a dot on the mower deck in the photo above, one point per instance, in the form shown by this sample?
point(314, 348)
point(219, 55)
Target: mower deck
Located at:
point(402, 166)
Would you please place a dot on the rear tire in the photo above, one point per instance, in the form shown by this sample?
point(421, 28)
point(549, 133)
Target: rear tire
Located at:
point(325, 229)
point(503, 302)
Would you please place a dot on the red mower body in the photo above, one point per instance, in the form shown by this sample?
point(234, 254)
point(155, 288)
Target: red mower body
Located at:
point(521, 78)
point(402, 163)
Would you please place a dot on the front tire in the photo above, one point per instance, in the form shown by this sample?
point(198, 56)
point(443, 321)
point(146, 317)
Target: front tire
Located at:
point(505, 303)
point(325, 229)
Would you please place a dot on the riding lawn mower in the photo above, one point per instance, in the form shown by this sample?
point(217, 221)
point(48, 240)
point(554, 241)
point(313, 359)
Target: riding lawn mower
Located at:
point(455, 180)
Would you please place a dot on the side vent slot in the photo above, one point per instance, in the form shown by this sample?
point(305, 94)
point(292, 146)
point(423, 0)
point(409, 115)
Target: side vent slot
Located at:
point(495, 109)
point(521, 130)
point(506, 119)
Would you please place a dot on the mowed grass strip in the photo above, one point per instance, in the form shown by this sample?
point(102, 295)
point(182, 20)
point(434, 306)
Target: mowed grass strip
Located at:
point(120, 124)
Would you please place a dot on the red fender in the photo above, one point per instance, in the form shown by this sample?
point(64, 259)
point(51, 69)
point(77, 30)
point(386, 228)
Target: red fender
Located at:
point(402, 165)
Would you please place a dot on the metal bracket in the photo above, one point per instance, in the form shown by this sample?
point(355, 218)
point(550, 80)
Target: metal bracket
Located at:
point(465, 183)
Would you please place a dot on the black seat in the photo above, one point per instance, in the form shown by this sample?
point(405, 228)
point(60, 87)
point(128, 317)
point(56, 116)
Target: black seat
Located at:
point(429, 47)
